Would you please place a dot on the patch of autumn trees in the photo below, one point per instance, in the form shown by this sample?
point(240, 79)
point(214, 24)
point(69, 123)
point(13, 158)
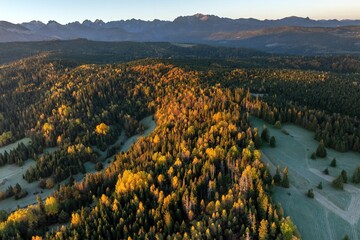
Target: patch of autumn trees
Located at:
point(198, 175)
point(193, 177)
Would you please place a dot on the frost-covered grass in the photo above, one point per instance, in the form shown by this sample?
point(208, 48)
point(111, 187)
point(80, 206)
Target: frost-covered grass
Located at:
point(333, 213)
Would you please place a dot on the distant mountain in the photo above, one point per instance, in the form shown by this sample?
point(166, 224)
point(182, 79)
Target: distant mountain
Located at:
point(293, 35)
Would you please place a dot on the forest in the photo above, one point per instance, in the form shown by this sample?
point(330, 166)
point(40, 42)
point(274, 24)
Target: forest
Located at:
point(198, 175)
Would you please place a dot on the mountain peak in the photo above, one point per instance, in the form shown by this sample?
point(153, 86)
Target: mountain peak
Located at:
point(53, 23)
point(99, 22)
point(201, 16)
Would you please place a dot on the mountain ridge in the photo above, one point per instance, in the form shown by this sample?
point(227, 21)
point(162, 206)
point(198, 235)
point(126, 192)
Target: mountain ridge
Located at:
point(204, 29)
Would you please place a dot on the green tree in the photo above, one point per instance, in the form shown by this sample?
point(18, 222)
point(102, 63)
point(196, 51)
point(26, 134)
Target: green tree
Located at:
point(272, 141)
point(51, 206)
point(344, 176)
point(356, 176)
point(287, 228)
point(338, 182)
point(333, 163)
point(321, 151)
point(277, 176)
point(285, 179)
point(265, 134)
point(310, 193)
point(40, 203)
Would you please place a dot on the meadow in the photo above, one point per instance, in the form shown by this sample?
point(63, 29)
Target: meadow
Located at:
point(332, 213)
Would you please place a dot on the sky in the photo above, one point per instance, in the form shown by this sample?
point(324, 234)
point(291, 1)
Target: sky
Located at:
point(65, 11)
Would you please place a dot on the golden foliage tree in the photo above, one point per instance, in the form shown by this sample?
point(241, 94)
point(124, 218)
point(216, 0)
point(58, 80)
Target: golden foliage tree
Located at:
point(102, 129)
point(51, 206)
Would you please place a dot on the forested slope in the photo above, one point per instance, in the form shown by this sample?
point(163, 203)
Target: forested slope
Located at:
point(198, 175)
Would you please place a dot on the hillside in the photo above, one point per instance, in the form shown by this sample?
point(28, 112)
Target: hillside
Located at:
point(199, 173)
point(198, 56)
point(84, 51)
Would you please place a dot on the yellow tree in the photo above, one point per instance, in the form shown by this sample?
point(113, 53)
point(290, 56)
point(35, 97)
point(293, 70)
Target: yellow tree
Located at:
point(263, 230)
point(48, 128)
point(102, 129)
point(51, 206)
point(75, 219)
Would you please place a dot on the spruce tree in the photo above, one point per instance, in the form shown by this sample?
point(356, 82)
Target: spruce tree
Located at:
point(285, 181)
point(265, 134)
point(272, 141)
point(344, 176)
point(333, 163)
point(321, 151)
point(338, 182)
point(356, 176)
point(277, 176)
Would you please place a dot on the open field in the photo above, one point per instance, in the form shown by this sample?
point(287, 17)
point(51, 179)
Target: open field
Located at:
point(332, 213)
point(12, 174)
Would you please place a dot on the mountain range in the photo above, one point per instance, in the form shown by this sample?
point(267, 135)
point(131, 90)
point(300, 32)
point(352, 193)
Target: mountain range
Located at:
point(291, 35)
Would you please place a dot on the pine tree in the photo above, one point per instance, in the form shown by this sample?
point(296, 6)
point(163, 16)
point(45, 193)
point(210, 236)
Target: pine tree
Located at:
point(333, 163)
point(356, 176)
point(41, 204)
point(277, 176)
point(285, 180)
point(272, 141)
point(321, 151)
point(265, 134)
point(344, 176)
point(338, 182)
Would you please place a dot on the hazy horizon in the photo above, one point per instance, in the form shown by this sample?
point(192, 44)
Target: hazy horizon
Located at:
point(66, 11)
point(128, 19)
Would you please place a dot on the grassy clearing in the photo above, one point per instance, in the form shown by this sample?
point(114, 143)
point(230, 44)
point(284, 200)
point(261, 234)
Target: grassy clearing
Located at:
point(333, 213)
point(12, 174)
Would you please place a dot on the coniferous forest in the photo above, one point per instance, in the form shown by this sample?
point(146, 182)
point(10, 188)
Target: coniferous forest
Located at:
point(198, 175)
